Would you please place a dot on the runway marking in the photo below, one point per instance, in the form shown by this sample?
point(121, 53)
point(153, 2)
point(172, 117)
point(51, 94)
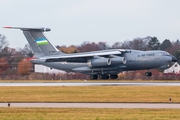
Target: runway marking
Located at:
point(92, 105)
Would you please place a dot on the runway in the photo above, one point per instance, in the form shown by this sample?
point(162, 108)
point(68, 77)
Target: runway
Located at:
point(93, 105)
point(95, 84)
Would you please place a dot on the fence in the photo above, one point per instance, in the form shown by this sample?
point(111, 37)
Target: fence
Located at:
point(78, 76)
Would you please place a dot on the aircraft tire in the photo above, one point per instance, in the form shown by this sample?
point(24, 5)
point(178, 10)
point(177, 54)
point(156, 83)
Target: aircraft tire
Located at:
point(113, 76)
point(104, 77)
point(148, 74)
point(93, 77)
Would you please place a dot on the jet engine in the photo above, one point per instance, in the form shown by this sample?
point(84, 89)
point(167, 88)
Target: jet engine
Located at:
point(118, 60)
point(97, 62)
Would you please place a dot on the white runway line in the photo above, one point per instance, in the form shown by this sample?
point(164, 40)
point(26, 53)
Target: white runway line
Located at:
point(93, 105)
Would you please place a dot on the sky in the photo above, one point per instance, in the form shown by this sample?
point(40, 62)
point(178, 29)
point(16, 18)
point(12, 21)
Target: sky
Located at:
point(74, 21)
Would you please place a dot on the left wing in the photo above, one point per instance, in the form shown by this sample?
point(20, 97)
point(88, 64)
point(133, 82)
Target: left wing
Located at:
point(85, 56)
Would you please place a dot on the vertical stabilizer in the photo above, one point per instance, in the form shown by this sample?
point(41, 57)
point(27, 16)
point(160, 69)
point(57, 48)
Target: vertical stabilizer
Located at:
point(38, 42)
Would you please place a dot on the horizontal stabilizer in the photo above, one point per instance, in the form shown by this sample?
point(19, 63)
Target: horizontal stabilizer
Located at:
point(41, 29)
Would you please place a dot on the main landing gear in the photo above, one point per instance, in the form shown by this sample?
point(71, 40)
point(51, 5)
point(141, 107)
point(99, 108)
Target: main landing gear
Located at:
point(114, 76)
point(104, 77)
point(93, 77)
point(148, 74)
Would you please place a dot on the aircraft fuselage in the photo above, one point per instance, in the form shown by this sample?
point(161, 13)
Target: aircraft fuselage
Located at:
point(135, 60)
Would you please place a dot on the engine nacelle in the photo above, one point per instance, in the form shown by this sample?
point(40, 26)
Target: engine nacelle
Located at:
point(98, 62)
point(118, 60)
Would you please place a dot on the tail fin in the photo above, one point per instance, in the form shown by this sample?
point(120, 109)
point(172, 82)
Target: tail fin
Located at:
point(38, 42)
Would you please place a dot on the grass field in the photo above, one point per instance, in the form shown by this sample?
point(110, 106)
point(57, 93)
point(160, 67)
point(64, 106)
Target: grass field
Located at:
point(88, 114)
point(89, 94)
point(153, 94)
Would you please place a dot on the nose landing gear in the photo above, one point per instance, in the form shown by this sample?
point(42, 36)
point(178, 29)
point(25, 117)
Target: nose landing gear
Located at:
point(148, 74)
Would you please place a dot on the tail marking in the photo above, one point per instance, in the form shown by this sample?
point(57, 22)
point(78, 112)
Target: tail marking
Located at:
point(42, 41)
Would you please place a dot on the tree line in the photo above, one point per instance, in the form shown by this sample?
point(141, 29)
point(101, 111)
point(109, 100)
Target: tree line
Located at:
point(12, 61)
point(145, 43)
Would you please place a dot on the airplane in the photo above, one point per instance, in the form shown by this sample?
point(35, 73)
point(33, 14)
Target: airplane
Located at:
point(103, 64)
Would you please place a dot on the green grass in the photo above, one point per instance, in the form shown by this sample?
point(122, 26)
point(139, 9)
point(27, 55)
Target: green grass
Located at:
point(88, 114)
point(147, 94)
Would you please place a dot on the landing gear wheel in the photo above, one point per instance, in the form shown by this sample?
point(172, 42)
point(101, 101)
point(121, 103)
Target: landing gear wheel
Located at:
point(93, 77)
point(104, 77)
point(113, 76)
point(148, 74)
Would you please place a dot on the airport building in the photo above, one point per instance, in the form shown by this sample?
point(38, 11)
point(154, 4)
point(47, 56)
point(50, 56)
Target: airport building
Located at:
point(173, 69)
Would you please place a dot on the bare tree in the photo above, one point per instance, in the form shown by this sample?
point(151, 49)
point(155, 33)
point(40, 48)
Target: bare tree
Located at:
point(117, 45)
point(26, 51)
point(103, 46)
point(137, 44)
point(8, 52)
point(3, 65)
point(3, 42)
point(87, 46)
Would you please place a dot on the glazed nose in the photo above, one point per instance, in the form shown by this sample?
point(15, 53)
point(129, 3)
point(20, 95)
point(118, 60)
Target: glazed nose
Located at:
point(174, 59)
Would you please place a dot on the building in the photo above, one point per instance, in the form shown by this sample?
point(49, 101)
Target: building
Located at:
point(44, 69)
point(173, 69)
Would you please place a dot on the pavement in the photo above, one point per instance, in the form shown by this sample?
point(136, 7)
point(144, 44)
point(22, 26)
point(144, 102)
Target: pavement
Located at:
point(93, 105)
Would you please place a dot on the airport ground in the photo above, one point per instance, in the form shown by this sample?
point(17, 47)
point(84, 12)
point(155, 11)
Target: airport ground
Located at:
point(98, 94)
point(87, 114)
point(111, 94)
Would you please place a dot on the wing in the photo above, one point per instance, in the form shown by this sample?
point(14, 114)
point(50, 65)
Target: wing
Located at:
point(85, 56)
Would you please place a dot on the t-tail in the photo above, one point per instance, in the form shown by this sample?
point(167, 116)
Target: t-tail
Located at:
point(38, 42)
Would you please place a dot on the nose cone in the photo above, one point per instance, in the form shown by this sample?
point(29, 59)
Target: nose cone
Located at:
point(174, 59)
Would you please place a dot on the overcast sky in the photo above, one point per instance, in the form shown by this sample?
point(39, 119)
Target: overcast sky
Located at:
point(76, 21)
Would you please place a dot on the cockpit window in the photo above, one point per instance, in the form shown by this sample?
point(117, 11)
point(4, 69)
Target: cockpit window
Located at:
point(163, 53)
point(167, 53)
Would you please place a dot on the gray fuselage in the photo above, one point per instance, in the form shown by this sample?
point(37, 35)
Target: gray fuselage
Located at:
point(135, 60)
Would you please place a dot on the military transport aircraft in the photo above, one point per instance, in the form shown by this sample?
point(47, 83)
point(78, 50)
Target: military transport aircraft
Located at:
point(103, 64)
